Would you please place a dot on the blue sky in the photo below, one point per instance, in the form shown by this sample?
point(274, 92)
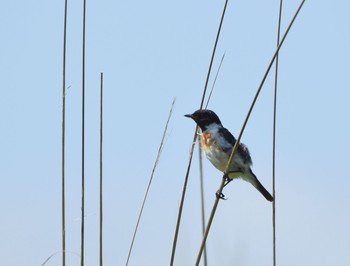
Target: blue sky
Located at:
point(151, 52)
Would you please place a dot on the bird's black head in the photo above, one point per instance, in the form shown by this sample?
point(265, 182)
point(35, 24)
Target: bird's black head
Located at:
point(204, 118)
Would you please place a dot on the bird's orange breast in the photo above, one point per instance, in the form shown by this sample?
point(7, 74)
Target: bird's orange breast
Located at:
point(207, 140)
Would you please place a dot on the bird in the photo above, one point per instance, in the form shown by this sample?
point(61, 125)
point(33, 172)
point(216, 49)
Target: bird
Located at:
point(218, 142)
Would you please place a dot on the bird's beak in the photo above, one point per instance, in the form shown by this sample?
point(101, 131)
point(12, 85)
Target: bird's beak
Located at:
point(189, 115)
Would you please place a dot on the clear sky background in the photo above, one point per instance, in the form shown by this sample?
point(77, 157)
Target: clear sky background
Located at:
point(151, 52)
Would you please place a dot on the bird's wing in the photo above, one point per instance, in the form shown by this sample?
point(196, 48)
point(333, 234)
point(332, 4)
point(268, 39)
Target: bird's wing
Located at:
point(242, 149)
point(227, 136)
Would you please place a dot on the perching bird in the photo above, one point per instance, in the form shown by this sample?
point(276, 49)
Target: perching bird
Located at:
point(218, 143)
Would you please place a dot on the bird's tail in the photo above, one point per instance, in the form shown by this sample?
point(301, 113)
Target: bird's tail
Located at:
point(256, 183)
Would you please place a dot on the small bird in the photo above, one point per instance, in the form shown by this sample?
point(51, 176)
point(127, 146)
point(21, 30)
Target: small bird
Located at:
point(218, 143)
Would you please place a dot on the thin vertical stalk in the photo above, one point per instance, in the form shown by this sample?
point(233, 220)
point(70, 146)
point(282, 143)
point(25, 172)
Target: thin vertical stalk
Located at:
point(216, 76)
point(193, 143)
point(206, 232)
point(83, 141)
point(213, 54)
point(202, 194)
point(274, 141)
point(200, 158)
point(234, 150)
point(63, 134)
point(101, 187)
point(160, 149)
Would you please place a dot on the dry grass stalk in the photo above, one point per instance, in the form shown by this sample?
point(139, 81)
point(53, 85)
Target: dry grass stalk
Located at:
point(193, 143)
point(234, 150)
point(160, 149)
point(274, 142)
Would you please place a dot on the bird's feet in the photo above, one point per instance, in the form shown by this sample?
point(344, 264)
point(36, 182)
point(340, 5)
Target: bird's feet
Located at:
point(227, 180)
point(220, 195)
